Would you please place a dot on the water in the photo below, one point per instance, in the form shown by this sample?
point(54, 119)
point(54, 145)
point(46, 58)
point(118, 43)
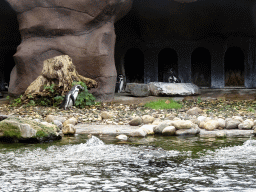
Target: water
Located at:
point(147, 164)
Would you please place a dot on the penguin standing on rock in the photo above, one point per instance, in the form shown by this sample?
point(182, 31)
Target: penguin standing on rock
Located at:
point(71, 96)
point(172, 78)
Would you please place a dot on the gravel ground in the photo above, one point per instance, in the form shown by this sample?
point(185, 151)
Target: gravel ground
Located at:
point(123, 113)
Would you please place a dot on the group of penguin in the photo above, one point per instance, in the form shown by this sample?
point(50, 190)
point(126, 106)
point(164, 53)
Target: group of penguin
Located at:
point(71, 96)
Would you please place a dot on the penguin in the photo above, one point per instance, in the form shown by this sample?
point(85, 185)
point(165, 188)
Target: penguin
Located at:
point(172, 78)
point(71, 96)
point(119, 84)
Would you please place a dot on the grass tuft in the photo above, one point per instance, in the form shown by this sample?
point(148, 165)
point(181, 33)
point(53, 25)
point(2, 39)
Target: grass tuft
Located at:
point(163, 104)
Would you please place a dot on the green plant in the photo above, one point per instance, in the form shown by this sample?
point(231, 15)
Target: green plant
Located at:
point(162, 104)
point(84, 98)
point(199, 100)
point(250, 109)
point(16, 102)
point(50, 88)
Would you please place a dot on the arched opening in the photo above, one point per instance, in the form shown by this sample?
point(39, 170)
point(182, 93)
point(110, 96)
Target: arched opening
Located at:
point(9, 40)
point(234, 67)
point(134, 66)
point(201, 67)
point(167, 59)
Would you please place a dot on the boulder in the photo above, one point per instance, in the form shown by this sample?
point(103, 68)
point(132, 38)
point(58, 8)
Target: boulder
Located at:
point(232, 123)
point(211, 125)
point(140, 90)
point(171, 89)
point(68, 129)
point(149, 129)
point(24, 130)
point(106, 115)
point(71, 120)
point(146, 119)
point(247, 124)
point(129, 87)
point(84, 30)
point(194, 111)
point(222, 123)
point(170, 130)
point(135, 121)
point(138, 133)
point(156, 121)
point(187, 132)
point(182, 124)
point(160, 127)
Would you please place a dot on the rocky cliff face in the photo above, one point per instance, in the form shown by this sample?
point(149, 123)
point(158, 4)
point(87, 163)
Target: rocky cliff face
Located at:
point(82, 29)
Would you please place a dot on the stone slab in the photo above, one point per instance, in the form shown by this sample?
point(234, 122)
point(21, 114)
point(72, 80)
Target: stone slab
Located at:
point(229, 133)
point(173, 89)
point(105, 129)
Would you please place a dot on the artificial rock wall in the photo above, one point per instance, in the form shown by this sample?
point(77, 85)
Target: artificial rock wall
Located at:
point(82, 29)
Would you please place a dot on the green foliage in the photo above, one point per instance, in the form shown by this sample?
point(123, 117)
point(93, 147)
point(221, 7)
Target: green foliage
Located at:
point(50, 88)
point(84, 98)
point(162, 104)
point(16, 102)
point(41, 134)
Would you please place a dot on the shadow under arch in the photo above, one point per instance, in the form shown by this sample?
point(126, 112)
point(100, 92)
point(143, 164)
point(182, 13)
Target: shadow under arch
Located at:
point(9, 40)
point(134, 66)
point(234, 66)
point(201, 67)
point(167, 59)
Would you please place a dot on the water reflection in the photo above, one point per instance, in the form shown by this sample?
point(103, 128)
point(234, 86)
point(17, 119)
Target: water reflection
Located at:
point(147, 164)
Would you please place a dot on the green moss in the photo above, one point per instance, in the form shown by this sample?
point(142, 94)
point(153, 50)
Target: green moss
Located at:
point(10, 130)
point(162, 104)
point(41, 134)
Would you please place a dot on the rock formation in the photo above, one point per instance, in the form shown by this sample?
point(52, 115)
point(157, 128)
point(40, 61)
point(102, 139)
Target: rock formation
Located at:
point(82, 29)
point(60, 71)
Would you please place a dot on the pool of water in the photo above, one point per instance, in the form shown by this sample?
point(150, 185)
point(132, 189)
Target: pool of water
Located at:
point(146, 164)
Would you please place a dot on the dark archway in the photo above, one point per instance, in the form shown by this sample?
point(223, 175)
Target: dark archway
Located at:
point(201, 67)
point(134, 66)
point(167, 59)
point(234, 67)
point(9, 40)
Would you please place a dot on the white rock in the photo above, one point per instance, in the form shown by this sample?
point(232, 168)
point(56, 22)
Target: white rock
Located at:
point(247, 124)
point(222, 123)
point(138, 133)
point(238, 118)
point(160, 127)
point(211, 125)
point(232, 123)
point(156, 122)
point(182, 124)
point(71, 120)
point(69, 129)
point(160, 88)
point(149, 129)
point(170, 130)
point(27, 131)
point(146, 119)
point(122, 137)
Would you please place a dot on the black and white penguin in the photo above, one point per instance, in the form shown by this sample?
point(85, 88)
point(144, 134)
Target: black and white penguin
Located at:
point(172, 78)
point(119, 84)
point(71, 96)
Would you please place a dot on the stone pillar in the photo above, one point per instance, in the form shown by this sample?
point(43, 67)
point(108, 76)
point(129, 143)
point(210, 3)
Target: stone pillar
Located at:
point(184, 65)
point(217, 66)
point(2, 63)
point(249, 64)
point(151, 65)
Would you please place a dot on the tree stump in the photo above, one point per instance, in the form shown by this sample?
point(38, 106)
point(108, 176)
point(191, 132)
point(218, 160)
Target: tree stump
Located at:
point(58, 70)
